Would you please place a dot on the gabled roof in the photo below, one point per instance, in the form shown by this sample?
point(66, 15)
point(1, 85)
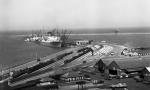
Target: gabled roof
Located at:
point(107, 62)
point(133, 63)
point(148, 68)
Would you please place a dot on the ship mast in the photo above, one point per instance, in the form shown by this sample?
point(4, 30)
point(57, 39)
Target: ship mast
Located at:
point(64, 37)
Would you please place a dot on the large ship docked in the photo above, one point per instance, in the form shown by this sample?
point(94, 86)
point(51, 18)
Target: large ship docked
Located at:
point(56, 39)
point(52, 39)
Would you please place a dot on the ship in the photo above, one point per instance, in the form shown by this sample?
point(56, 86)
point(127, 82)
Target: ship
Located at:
point(56, 38)
point(52, 38)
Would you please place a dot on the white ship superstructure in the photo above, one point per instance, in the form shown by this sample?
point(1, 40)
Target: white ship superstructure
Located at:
point(49, 39)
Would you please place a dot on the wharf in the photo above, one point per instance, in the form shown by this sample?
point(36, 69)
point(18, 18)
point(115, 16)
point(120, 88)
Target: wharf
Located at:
point(34, 62)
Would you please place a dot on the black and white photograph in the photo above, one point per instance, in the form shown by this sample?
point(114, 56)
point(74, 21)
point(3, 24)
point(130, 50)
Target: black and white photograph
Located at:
point(74, 44)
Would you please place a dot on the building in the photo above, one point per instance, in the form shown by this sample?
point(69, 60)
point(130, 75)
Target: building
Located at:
point(102, 65)
point(128, 65)
point(146, 74)
point(82, 42)
point(73, 77)
point(143, 51)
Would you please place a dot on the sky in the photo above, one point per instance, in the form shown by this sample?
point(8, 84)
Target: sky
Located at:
point(47, 14)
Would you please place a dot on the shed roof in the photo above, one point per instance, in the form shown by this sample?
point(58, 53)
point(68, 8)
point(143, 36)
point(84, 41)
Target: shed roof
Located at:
point(133, 63)
point(107, 61)
point(72, 74)
point(141, 50)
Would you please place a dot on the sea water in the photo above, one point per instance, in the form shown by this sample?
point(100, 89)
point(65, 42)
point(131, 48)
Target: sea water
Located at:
point(14, 50)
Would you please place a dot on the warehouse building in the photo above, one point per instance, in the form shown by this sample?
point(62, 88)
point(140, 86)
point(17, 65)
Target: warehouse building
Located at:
point(130, 65)
point(146, 74)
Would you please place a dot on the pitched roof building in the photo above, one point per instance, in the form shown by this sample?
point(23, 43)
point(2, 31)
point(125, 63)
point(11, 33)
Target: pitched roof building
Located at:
point(102, 64)
point(142, 51)
point(72, 76)
point(146, 74)
point(129, 65)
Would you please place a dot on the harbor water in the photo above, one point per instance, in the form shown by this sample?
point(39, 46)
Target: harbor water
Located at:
point(14, 50)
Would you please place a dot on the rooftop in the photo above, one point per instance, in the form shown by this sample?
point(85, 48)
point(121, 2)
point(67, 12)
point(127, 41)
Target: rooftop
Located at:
point(141, 50)
point(72, 74)
point(133, 63)
point(148, 68)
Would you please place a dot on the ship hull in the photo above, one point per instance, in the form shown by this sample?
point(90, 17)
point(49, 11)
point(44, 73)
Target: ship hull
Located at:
point(52, 44)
